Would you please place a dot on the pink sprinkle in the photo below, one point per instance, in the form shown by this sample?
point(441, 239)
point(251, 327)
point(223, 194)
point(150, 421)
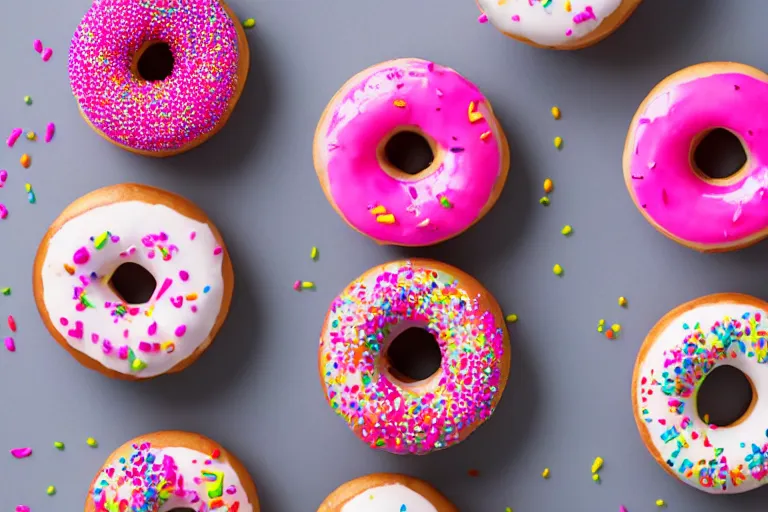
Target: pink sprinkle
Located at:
point(297, 285)
point(21, 453)
point(47, 53)
point(22, 508)
point(192, 235)
point(152, 329)
point(37, 45)
point(81, 256)
point(145, 346)
point(569, 32)
point(13, 137)
point(3, 177)
point(180, 330)
point(12, 323)
point(483, 18)
point(516, 17)
point(217, 251)
point(122, 352)
point(183, 275)
point(49, 131)
point(164, 287)
point(622, 508)
point(10, 345)
point(3, 211)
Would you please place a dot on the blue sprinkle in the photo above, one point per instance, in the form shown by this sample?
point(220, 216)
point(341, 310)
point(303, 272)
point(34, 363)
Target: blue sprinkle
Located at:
point(206, 289)
point(403, 508)
point(457, 150)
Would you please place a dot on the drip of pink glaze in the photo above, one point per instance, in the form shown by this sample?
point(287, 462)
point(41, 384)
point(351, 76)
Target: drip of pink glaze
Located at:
point(13, 137)
point(670, 193)
point(21, 453)
point(365, 112)
point(166, 284)
point(160, 115)
point(37, 45)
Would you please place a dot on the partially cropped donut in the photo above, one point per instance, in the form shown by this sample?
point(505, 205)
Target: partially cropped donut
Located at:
point(197, 57)
point(172, 471)
point(679, 353)
point(559, 24)
point(422, 100)
point(673, 194)
point(386, 492)
point(387, 410)
point(119, 229)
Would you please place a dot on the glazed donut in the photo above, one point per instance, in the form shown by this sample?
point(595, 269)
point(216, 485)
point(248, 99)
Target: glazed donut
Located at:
point(169, 237)
point(172, 471)
point(150, 115)
point(386, 492)
point(680, 351)
point(558, 24)
point(470, 153)
point(389, 411)
point(679, 200)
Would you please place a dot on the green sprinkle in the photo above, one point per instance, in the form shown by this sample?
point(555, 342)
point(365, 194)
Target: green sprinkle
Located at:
point(100, 241)
point(314, 253)
point(544, 201)
point(28, 100)
point(512, 318)
point(567, 230)
point(249, 23)
point(58, 445)
point(380, 442)
point(558, 270)
point(137, 365)
point(51, 490)
point(91, 441)
point(445, 202)
point(6, 291)
point(508, 509)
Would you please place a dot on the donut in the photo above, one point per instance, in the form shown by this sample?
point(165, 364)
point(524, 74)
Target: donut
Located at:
point(133, 225)
point(158, 77)
point(680, 351)
point(557, 24)
point(411, 97)
point(386, 492)
point(706, 214)
point(172, 470)
point(386, 409)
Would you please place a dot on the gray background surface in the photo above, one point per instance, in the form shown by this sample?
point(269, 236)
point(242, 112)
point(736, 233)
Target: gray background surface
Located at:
point(256, 390)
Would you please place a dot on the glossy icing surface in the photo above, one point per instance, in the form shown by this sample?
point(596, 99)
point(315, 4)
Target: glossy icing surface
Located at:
point(548, 22)
point(141, 340)
point(662, 180)
point(389, 498)
point(442, 104)
point(361, 323)
point(154, 115)
point(170, 478)
point(716, 460)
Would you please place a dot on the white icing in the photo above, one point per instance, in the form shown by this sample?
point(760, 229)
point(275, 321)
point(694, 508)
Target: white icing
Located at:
point(658, 417)
point(389, 498)
point(552, 25)
point(104, 336)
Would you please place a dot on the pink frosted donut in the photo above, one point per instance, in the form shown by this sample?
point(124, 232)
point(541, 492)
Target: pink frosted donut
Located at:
point(158, 77)
point(683, 203)
point(469, 161)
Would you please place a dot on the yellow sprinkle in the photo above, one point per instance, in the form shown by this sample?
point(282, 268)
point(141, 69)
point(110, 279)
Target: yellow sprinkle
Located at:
point(138, 365)
point(595, 477)
point(545, 473)
point(599, 328)
point(25, 161)
point(313, 253)
point(568, 5)
point(385, 219)
point(616, 327)
point(623, 302)
point(558, 142)
point(601, 322)
point(91, 442)
point(507, 509)
point(660, 503)
point(27, 187)
point(399, 103)
point(51, 490)
point(307, 285)
point(249, 23)
point(485, 135)
point(378, 210)
point(567, 230)
point(511, 318)
point(556, 112)
point(558, 270)
point(502, 2)
point(31, 136)
point(544, 201)
point(548, 185)
point(597, 464)
point(473, 114)
point(706, 419)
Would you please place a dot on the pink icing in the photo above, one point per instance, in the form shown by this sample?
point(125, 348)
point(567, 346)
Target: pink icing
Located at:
point(662, 180)
point(159, 115)
point(437, 101)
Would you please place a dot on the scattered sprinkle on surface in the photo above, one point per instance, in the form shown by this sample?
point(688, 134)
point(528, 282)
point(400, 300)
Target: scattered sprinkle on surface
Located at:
point(558, 142)
point(545, 473)
point(556, 112)
point(314, 253)
point(249, 23)
point(544, 201)
point(511, 318)
point(307, 285)
point(11, 323)
point(91, 442)
point(58, 445)
point(10, 344)
point(623, 302)
point(660, 503)
point(548, 185)
point(31, 136)
point(557, 269)
point(25, 161)
point(22, 508)
point(595, 477)
point(31, 197)
point(21, 453)
point(567, 230)
point(473, 473)
point(51, 490)
point(622, 508)
point(6, 291)
point(597, 464)
point(28, 100)
point(508, 509)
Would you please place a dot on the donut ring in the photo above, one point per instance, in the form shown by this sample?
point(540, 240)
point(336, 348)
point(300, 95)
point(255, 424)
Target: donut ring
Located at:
point(385, 492)
point(172, 470)
point(680, 201)
point(386, 410)
point(558, 24)
point(167, 235)
point(168, 116)
point(680, 351)
point(469, 148)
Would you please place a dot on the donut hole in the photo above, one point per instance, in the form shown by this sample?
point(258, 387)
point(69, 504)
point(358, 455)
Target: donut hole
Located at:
point(154, 62)
point(725, 397)
point(132, 283)
point(719, 154)
point(413, 356)
point(409, 152)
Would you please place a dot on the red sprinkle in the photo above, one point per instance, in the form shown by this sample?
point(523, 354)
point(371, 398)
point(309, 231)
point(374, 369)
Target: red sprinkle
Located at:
point(473, 473)
point(12, 323)
point(216, 453)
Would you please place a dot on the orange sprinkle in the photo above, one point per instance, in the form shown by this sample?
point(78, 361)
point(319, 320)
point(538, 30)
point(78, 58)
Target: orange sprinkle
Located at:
point(399, 103)
point(191, 296)
point(70, 269)
point(25, 161)
point(609, 334)
point(473, 114)
point(485, 135)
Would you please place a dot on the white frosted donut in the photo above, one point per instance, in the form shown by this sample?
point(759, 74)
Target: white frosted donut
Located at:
point(168, 236)
point(678, 354)
point(566, 24)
